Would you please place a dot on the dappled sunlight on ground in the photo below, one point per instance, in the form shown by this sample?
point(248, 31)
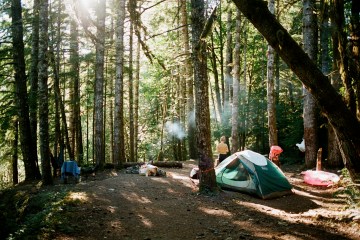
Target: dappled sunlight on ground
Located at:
point(130, 206)
point(145, 221)
point(133, 197)
point(216, 212)
point(82, 196)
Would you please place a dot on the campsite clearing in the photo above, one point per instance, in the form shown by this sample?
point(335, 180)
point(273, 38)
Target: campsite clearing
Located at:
point(129, 206)
point(116, 205)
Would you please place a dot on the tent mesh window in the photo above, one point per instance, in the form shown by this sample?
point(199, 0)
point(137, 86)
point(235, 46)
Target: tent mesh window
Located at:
point(236, 171)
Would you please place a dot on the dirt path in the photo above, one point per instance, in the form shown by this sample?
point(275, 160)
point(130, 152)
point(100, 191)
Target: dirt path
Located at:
point(130, 206)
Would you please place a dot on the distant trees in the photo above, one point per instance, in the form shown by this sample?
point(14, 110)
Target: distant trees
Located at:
point(310, 114)
point(28, 146)
point(202, 111)
point(119, 138)
point(99, 85)
point(235, 126)
point(346, 126)
point(168, 93)
point(43, 94)
point(271, 93)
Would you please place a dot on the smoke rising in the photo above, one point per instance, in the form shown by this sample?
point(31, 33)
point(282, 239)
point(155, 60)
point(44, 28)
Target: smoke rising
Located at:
point(175, 129)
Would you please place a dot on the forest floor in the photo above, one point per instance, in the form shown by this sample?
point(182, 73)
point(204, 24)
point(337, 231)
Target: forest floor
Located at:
point(117, 205)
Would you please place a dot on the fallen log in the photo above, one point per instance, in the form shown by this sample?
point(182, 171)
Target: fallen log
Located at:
point(172, 164)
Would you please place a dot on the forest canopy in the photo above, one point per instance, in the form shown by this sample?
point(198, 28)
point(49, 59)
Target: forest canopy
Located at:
point(108, 82)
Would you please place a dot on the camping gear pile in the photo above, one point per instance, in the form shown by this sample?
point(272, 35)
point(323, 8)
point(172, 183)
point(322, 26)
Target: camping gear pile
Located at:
point(252, 173)
point(301, 146)
point(70, 169)
point(274, 154)
point(146, 169)
point(319, 177)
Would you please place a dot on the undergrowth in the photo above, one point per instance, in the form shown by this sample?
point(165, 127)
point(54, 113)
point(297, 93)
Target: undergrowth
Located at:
point(33, 212)
point(349, 189)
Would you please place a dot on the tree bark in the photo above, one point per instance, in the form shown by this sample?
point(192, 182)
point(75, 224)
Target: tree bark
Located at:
point(202, 112)
point(119, 146)
point(333, 153)
point(136, 99)
point(44, 94)
point(343, 61)
point(189, 83)
point(271, 102)
point(75, 67)
point(131, 96)
point(354, 46)
point(228, 69)
point(33, 76)
point(221, 53)
point(310, 110)
point(243, 96)
point(216, 77)
point(60, 104)
point(27, 145)
point(235, 141)
point(99, 85)
point(58, 139)
point(15, 152)
point(345, 124)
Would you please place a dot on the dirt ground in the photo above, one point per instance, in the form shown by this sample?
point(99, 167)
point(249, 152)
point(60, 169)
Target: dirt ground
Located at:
point(116, 205)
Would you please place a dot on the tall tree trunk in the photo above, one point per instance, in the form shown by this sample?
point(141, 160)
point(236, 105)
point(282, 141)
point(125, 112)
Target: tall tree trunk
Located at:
point(61, 133)
point(216, 77)
point(221, 53)
point(55, 63)
point(27, 145)
point(119, 139)
point(33, 76)
point(15, 155)
point(277, 79)
point(333, 152)
point(310, 113)
point(243, 98)
point(345, 124)
point(105, 151)
point(88, 105)
point(354, 46)
point(343, 61)
point(136, 99)
point(131, 96)
point(183, 82)
point(60, 102)
point(235, 141)
point(99, 85)
point(111, 86)
point(228, 69)
point(202, 112)
point(133, 23)
point(43, 94)
point(189, 84)
point(76, 118)
point(271, 102)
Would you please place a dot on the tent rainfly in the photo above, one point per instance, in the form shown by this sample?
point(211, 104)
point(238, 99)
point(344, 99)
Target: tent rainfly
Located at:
point(252, 173)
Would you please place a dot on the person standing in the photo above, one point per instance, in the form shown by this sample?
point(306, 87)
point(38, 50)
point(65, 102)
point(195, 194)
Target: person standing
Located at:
point(222, 149)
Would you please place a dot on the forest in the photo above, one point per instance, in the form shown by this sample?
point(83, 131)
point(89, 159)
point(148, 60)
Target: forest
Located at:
point(111, 82)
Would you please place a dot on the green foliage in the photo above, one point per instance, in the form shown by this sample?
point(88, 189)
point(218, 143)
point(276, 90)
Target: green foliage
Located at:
point(33, 212)
point(347, 189)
